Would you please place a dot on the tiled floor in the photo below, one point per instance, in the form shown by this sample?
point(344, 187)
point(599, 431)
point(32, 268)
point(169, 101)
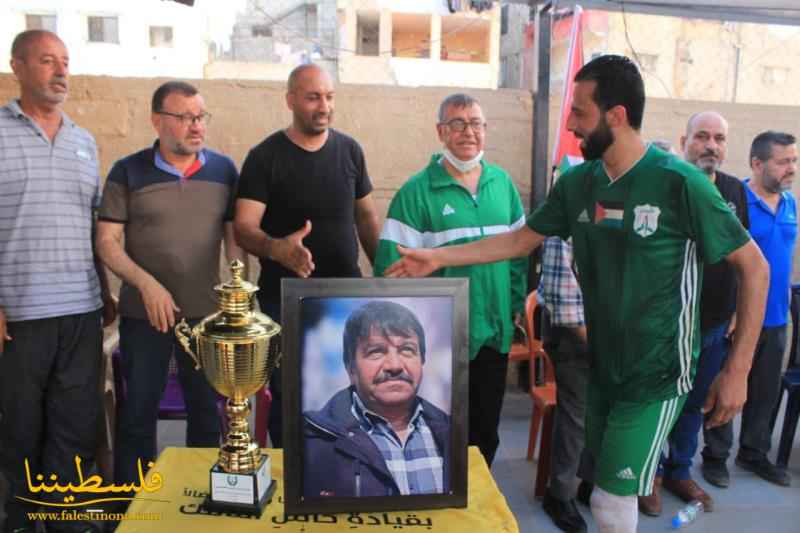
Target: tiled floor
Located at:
point(749, 505)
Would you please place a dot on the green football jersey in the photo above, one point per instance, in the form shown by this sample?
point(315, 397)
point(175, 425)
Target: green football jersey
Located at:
point(640, 243)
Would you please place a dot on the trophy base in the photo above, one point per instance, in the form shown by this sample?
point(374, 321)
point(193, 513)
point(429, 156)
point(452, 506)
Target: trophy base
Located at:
point(244, 494)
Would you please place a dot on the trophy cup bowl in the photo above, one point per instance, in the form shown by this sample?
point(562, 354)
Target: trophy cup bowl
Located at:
point(237, 350)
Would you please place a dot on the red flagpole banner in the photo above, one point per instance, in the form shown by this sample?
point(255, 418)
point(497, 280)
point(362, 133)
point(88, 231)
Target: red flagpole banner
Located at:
point(566, 151)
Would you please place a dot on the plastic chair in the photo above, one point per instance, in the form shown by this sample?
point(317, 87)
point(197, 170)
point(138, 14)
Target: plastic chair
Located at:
point(543, 395)
point(790, 383)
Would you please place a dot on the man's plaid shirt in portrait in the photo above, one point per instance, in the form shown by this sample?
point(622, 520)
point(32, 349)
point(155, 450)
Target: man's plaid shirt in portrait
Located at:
point(417, 466)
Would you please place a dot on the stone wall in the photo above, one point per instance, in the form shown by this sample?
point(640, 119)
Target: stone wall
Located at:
point(395, 125)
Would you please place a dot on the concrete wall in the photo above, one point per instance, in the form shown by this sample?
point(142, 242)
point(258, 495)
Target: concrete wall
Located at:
point(395, 125)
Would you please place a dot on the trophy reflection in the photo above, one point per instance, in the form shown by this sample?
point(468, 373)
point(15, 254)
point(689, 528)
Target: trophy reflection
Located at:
point(238, 349)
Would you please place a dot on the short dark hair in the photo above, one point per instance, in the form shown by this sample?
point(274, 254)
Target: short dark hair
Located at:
point(166, 89)
point(618, 83)
point(459, 100)
point(19, 48)
point(387, 317)
point(761, 148)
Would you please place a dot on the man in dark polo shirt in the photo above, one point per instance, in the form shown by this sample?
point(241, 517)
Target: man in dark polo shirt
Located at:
point(173, 202)
point(303, 191)
point(705, 146)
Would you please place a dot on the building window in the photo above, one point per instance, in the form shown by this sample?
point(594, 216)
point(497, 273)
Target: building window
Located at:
point(103, 30)
point(40, 22)
point(504, 20)
point(262, 30)
point(161, 36)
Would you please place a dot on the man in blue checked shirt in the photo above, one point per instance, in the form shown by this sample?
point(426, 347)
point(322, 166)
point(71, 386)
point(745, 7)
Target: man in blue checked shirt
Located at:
point(565, 342)
point(377, 437)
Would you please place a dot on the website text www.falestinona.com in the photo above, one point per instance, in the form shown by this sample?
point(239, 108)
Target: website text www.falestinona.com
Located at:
point(71, 515)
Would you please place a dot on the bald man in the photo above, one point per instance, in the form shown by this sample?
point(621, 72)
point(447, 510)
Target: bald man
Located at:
point(301, 192)
point(52, 293)
point(704, 145)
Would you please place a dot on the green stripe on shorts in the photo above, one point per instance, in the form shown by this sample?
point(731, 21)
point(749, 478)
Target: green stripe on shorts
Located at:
point(626, 438)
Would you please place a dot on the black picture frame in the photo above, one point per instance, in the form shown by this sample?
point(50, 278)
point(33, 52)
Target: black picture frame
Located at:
point(441, 305)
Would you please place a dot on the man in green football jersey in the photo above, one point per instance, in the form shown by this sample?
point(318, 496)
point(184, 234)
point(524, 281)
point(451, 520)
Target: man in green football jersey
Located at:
point(643, 223)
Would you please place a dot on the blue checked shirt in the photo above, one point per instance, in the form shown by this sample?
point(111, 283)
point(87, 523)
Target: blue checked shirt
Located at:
point(558, 287)
point(417, 466)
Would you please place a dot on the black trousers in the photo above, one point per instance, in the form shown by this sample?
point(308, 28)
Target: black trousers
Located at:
point(571, 364)
point(487, 386)
point(50, 405)
point(763, 388)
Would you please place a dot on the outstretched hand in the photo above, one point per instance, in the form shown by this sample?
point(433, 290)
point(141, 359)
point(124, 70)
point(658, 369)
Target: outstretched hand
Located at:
point(415, 263)
point(726, 397)
point(292, 253)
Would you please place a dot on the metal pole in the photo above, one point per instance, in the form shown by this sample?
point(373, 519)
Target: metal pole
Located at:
point(541, 111)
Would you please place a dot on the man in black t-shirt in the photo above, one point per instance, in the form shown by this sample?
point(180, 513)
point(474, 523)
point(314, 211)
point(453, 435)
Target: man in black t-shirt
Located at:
point(705, 146)
point(301, 192)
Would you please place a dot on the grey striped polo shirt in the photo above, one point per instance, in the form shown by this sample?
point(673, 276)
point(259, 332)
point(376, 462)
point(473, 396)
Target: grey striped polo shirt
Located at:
point(47, 194)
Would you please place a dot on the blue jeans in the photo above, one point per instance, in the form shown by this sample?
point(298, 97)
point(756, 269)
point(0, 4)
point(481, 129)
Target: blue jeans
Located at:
point(763, 388)
point(683, 440)
point(145, 361)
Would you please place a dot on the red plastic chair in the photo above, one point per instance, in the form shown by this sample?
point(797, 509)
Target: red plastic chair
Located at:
point(543, 395)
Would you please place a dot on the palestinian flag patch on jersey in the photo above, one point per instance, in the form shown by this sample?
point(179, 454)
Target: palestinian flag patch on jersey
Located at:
point(609, 214)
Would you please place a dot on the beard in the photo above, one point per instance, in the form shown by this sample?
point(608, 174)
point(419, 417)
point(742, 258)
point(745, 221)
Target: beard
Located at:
point(310, 126)
point(775, 184)
point(597, 142)
point(707, 163)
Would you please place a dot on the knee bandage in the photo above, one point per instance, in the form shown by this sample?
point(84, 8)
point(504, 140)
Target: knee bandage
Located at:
point(614, 514)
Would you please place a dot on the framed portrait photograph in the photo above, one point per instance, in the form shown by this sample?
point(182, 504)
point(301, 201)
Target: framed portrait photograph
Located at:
point(375, 380)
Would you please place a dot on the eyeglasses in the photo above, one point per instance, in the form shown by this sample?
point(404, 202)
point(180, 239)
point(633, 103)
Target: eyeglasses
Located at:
point(460, 125)
point(187, 118)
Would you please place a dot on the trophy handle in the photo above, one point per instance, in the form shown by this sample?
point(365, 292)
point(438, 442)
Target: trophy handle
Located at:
point(184, 335)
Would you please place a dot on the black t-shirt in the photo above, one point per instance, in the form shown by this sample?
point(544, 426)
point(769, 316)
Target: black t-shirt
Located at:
point(718, 297)
point(297, 185)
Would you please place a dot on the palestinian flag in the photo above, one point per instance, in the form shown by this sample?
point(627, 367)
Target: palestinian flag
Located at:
point(609, 214)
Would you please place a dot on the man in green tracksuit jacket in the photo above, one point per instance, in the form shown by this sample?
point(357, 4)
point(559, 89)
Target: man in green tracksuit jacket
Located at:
point(459, 198)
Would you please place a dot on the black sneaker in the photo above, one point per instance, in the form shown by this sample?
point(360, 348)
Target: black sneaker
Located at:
point(584, 495)
point(565, 514)
point(764, 469)
point(716, 473)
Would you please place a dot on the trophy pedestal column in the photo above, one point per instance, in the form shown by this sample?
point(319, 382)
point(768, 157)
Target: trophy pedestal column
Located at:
point(245, 494)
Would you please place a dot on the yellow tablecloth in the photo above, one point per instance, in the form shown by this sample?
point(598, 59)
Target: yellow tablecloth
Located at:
point(174, 508)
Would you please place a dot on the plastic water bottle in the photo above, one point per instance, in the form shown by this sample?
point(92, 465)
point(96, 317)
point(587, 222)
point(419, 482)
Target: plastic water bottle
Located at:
point(687, 515)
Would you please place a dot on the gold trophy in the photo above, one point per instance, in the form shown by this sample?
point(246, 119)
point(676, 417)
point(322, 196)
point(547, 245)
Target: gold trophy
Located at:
point(237, 348)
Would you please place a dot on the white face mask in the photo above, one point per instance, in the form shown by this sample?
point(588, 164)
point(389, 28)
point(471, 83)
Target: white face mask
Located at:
point(463, 166)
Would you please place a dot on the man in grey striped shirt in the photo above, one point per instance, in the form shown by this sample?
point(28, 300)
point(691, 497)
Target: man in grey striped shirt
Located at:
point(51, 296)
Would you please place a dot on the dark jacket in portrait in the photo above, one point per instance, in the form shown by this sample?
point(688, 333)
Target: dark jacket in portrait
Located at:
point(340, 459)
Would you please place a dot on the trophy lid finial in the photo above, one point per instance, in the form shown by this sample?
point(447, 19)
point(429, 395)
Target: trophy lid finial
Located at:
point(237, 267)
